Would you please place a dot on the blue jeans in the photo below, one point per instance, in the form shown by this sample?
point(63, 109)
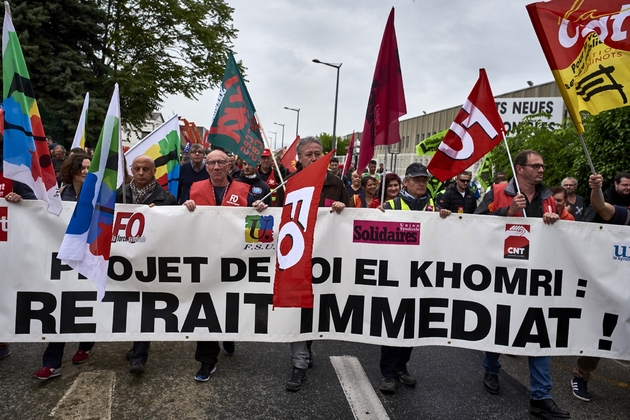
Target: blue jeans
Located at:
point(539, 374)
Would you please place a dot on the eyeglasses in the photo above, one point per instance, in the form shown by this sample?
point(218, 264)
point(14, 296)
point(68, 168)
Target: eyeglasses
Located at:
point(465, 181)
point(536, 166)
point(197, 152)
point(211, 163)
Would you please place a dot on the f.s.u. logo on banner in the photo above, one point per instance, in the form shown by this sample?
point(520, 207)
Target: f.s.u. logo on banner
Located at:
point(516, 244)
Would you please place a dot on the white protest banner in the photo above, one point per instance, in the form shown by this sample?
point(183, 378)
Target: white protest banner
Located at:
point(400, 278)
point(513, 110)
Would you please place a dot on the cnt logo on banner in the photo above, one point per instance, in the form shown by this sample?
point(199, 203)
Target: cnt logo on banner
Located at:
point(516, 242)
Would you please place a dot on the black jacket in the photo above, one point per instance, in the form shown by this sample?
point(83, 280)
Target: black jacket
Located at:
point(452, 200)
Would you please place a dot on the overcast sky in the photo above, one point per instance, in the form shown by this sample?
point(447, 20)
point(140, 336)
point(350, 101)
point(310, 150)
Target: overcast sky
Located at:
point(441, 45)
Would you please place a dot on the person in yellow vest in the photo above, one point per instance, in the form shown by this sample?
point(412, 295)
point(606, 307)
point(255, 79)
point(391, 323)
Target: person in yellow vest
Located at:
point(218, 190)
point(413, 196)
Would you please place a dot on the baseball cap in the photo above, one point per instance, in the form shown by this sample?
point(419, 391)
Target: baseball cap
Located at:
point(416, 169)
point(266, 153)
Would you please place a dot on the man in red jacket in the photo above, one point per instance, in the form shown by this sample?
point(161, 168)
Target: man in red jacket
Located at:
point(218, 190)
point(526, 198)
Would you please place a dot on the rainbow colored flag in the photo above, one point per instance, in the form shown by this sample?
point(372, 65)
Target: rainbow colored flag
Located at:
point(88, 239)
point(162, 145)
point(26, 156)
point(79, 135)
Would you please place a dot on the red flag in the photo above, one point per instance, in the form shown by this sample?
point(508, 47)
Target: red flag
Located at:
point(289, 158)
point(588, 50)
point(346, 164)
point(477, 129)
point(293, 284)
point(387, 99)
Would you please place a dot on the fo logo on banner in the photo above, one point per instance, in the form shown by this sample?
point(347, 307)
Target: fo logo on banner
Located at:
point(516, 245)
point(4, 224)
point(259, 232)
point(621, 252)
point(128, 227)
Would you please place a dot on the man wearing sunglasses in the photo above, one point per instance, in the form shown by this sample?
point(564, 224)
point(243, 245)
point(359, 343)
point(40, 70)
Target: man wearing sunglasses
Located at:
point(459, 198)
point(529, 199)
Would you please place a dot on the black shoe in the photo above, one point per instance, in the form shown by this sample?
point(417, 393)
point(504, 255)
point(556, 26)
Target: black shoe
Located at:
point(137, 368)
point(229, 348)
point(406, 379)
point(580, 389)
point(388, 386)
point(295, 381)
point(547, 409)
point(204, 372)
point(491, 383)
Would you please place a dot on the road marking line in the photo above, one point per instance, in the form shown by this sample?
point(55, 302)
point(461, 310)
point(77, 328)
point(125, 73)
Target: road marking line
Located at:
point(361, 396)
point(89, 397)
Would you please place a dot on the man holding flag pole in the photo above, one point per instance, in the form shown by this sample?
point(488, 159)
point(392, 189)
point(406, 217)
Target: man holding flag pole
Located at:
point(293, 282)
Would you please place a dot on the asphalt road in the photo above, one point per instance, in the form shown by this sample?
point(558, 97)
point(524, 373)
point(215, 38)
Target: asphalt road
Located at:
point(250, 385)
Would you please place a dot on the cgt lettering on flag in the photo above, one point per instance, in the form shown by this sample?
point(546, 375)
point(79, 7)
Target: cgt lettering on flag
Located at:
point(587, 47)
point(476, 130)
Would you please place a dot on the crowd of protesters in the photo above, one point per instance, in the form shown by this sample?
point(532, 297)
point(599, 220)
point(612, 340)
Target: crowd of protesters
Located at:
point(206, 176)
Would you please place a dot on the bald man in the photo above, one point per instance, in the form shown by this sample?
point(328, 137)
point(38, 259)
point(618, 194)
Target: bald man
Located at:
point(143, 189)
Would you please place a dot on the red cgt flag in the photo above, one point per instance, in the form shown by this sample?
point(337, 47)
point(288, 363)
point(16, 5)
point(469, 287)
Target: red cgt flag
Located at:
point(387, 99)
point(293, 284)
point(477, 129)
point(289, 158)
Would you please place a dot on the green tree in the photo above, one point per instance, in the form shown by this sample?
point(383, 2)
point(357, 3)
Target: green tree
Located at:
point(562, 149)
point(559, 147)
point(149, 48)
point(342, 145)
point(164, 47)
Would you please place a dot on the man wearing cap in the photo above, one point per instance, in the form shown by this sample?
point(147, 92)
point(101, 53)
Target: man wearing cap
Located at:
point(526, 198)
point(413, 196)
point(270, 175)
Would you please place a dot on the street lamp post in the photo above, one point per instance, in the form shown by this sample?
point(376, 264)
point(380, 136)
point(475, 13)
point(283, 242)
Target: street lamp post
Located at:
point(275, 137)
point(282, 125)
point(337, 66)
point(297, 124)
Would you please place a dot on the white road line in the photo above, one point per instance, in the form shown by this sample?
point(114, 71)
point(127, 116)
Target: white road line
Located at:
point(361, 396)
point(89, 397)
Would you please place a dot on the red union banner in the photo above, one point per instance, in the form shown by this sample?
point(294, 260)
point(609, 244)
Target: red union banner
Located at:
point(293, 286)
point(477, 129)
point(587, 47)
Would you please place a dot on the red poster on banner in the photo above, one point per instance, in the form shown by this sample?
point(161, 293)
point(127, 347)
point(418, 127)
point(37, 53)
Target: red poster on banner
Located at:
point(293, 284)
point(5, 185)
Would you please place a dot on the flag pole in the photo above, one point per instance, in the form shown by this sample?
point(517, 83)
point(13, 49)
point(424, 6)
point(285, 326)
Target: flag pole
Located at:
point(518, 188)
point(383, 177)
point(273, 156)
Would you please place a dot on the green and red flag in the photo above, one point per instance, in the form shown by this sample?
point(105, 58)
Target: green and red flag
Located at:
point(588, 50)
point(234, 126)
